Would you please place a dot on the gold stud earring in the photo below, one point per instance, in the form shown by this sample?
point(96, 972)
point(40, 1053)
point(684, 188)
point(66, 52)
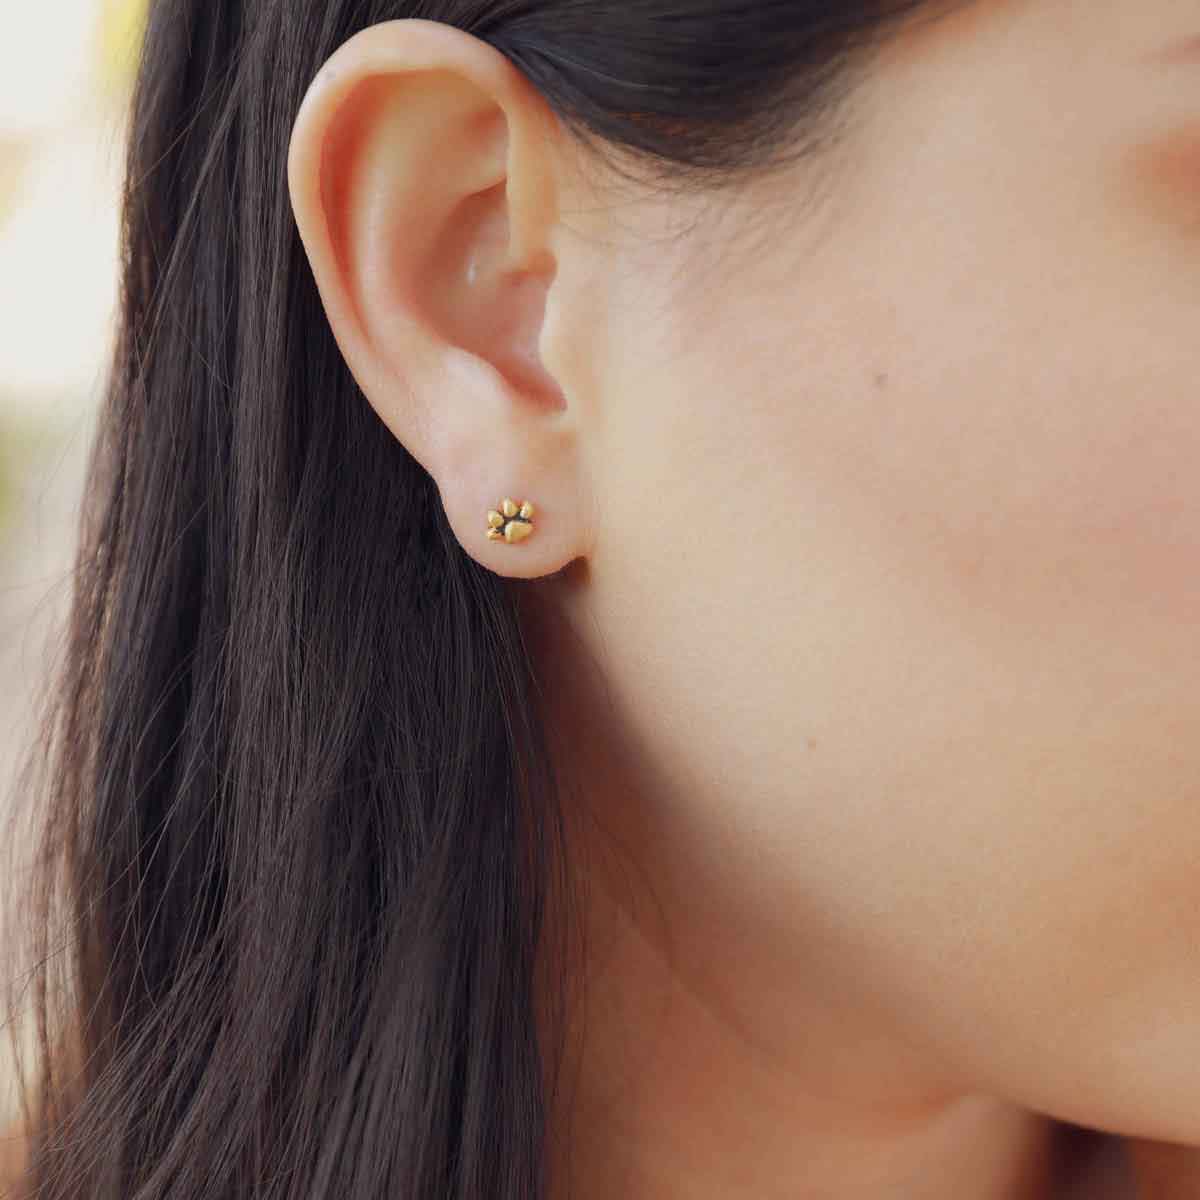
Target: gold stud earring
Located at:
point(511, 523)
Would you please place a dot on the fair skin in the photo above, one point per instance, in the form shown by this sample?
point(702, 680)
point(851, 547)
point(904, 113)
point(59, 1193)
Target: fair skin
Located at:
point(863, 589)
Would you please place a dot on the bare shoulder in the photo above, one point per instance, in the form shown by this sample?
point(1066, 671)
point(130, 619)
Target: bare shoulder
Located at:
point(14, 1150)
point(14, 1136)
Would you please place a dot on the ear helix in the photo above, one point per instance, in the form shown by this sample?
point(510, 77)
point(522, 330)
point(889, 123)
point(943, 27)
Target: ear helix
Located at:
point(511, 523)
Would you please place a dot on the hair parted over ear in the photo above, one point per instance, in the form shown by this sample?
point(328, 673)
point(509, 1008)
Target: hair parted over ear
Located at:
point(424, 183)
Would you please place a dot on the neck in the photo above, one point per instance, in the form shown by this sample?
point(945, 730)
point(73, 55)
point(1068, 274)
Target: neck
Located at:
point(695, 1067)
point(664, 1098)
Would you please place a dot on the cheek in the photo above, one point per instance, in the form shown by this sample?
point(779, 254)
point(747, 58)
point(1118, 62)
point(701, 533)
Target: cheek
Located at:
point(1013, 708)
point(1053, 484)
point(1051, 522)
point(928, 574)
point(1160, 178)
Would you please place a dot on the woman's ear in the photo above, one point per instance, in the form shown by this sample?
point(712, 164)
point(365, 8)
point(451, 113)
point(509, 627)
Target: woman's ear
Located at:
point(424, 186)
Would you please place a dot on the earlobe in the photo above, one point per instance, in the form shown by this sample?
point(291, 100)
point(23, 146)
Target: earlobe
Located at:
point(423, 188)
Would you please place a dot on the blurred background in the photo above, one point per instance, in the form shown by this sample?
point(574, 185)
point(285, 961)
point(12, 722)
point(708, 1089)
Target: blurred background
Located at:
point(66, 69)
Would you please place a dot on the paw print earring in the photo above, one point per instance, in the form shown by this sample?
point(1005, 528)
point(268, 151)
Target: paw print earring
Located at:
point(512, 523)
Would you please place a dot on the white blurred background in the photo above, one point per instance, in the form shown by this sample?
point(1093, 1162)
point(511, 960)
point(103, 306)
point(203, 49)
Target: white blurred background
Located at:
point(65, 71)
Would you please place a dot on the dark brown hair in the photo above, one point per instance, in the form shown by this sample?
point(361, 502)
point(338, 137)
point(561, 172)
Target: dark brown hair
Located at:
point(296, 827)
